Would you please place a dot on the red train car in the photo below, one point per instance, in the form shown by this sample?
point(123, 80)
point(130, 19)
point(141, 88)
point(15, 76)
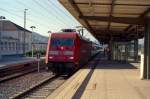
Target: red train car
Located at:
point(67, 51)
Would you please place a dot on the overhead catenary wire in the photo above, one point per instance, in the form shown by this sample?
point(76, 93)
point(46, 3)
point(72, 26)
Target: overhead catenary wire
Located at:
point(11, 13)
point(57, 10)
point(36, 13)
point(62, 11)
point(61, 21)
point(33, 10)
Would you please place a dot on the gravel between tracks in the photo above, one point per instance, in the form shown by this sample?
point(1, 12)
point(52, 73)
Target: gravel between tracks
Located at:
point(12, 87)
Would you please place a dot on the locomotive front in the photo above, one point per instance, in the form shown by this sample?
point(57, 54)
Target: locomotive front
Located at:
point(61, 52)
point(61, 49)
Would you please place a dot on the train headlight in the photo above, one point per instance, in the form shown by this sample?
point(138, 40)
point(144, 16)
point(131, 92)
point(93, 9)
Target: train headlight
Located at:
point(71, 57)
point(50, 57)
point(61, 47)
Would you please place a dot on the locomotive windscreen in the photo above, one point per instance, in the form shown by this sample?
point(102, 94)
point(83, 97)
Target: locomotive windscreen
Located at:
point(62, 42)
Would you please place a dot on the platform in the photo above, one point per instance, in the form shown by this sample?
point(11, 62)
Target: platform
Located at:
point(12, 61)
point(109, 80)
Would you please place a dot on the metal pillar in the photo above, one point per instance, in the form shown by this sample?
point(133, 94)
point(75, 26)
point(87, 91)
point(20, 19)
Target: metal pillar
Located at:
point(126, 52)
point(136, 45)
point(146, 71)
point(136, 50)
point(0, 40)
point(110, 54)
point(118, 52)
point(115, 52)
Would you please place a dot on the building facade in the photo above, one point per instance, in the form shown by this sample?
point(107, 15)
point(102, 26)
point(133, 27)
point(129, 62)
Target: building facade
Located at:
point(14, 40)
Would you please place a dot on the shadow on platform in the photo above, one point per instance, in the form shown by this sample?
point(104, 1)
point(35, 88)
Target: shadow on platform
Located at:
point(81, 89)
point(100, 64)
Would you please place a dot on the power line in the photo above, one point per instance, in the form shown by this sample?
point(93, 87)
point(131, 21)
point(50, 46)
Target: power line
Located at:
point(26, 6)
point(62, 11)
point(58, 13)
point(56, 17)
point(20, 16)
point(39, 4)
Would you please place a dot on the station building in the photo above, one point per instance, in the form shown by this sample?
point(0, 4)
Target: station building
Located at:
point(13, 38)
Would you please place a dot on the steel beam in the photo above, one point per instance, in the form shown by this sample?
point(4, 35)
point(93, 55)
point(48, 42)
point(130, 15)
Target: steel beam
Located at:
point(141, 16)
point(79, 12)
point(125, 20)
point(113, 32)
point(111, 12)
point(84, 3)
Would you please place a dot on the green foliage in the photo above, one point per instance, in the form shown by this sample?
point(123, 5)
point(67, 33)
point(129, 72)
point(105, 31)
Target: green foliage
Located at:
point(42, 53)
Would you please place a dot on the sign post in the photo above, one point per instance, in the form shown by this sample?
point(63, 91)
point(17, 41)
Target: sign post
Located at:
point(38, 59)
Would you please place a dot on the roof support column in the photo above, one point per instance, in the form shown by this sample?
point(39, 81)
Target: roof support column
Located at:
point(146, 73)
point(126, 52)
point(110, 53)
point(115, 52)
point(136, 46)
point(136, 50)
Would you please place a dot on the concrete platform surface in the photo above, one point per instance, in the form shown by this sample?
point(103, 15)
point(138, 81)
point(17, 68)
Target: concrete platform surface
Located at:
point(109, 80)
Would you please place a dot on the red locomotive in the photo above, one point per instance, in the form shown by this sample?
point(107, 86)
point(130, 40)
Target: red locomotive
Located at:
point(67, 51)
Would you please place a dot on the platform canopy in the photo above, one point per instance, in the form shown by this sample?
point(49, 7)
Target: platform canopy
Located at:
point(120, 20)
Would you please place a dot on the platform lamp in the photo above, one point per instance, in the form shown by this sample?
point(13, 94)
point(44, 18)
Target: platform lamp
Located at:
point(1, 29)
point(49, 32)
point(32, 27)
point(80, 28)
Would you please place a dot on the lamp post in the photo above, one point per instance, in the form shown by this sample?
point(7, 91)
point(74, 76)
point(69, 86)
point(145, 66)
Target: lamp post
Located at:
point(32, 27)
point(1, 29)
point(49, 32)
point(24, 39)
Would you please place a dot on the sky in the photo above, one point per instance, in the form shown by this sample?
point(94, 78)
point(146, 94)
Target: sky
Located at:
point(45, 15)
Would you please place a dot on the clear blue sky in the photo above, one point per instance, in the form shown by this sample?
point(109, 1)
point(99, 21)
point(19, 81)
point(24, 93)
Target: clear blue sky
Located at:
point(44, 14)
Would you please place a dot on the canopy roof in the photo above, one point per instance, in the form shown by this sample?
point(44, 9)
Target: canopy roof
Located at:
point(123, 20)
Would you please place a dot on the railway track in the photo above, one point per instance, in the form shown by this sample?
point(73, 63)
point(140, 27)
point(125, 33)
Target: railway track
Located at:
point(18, 85)
point(28, 83)
point(41, 90)
point(12, 73)
point(16, 75)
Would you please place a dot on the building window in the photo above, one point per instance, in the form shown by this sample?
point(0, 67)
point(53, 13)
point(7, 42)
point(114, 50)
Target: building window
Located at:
point(9, 47)
point(14, 45)
point(6, 46)
point(1, 46)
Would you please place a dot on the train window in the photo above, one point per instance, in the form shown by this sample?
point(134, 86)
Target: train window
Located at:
point(62, 42)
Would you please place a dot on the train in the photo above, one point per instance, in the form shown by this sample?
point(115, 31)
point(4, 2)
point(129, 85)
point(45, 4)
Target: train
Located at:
point(68, 51)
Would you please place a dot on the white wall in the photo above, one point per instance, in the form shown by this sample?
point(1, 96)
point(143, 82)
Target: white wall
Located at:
point(12, 42)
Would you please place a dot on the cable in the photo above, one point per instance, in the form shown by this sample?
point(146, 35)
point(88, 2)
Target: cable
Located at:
point(19, 16)
point(26, 6)
point(45, 9)
point(62, 11)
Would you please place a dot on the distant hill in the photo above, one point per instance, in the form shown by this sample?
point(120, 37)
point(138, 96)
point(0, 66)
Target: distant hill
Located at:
point(37, 38)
